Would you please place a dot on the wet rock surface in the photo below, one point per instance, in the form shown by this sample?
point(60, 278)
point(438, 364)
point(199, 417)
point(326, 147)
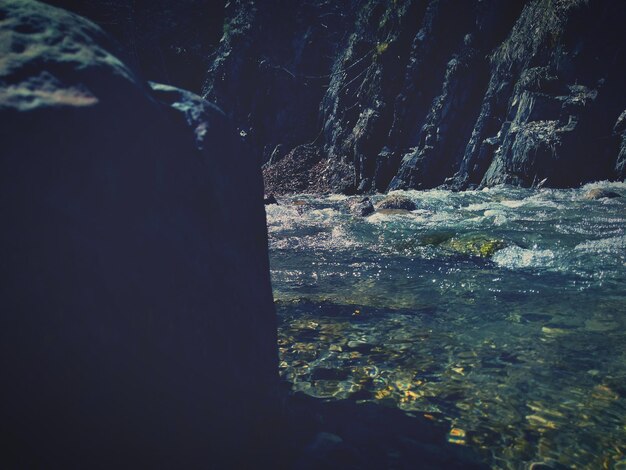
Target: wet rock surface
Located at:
point(362, 207)
point(271, 199)
point(131, 219)
point(598, 193)
point(474, 245)
point(619, 130)
point(397, 201)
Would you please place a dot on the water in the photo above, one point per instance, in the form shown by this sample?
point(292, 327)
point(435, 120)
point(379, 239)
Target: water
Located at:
point(520, 349)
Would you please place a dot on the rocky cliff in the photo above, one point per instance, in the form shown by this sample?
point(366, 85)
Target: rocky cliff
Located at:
point(137, 321)
point(373, 95)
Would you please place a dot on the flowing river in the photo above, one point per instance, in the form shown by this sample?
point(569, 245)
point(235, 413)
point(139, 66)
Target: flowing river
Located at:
point(499, 313)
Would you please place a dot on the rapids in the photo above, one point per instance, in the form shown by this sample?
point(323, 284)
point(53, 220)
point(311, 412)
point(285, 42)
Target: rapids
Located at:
point(499, 312)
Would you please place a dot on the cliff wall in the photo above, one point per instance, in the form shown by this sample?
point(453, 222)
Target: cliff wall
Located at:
point(372, 96)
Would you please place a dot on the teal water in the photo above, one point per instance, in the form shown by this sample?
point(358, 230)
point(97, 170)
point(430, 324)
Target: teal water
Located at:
point(499, 313)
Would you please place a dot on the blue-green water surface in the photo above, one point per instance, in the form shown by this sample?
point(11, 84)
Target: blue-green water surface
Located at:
point(500, 313)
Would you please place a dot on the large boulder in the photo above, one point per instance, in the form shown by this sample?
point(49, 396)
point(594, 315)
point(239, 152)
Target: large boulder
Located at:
point(600, 193)
point(137, 319)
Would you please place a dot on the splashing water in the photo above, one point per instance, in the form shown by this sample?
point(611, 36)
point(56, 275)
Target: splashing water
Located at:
point(500, 312)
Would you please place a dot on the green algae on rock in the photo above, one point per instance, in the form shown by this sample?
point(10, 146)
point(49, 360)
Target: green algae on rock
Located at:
point(398, 202)
point(475, 245)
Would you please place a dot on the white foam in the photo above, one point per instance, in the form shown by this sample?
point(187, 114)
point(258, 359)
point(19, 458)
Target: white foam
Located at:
point(516, 257)
point(514, 204)
point(499, 216)
point(605, 245)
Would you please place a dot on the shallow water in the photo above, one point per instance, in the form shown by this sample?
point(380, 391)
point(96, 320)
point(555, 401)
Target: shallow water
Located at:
point(521, 352)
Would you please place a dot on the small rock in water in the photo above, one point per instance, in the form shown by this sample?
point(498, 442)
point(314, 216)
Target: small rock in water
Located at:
point(396, 201)
point(363, 207)
point(598, 193)
point(271, 199)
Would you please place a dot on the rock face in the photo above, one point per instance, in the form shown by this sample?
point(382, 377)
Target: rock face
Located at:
point(620, 131)
point(419, 94)
point(138, 325)
point(271, 69)
point(597, 193)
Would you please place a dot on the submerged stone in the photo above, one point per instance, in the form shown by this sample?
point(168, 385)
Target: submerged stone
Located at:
point(434, 238)
point(475, 245)
point(271, 199)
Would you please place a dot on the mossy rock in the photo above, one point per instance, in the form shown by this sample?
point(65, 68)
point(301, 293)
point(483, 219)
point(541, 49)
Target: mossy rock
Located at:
point(475, 245)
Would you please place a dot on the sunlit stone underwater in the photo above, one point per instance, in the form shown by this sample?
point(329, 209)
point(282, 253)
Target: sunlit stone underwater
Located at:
point(498, 313)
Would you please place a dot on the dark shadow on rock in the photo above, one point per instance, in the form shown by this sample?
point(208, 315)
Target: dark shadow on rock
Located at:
point(345, 434)
point(136, 316)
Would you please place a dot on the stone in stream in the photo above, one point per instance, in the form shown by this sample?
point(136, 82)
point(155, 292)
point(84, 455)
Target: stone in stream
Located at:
point(362, 207)
point(271, 199)
point(474, 245)
point(434, 238)
point(397, 201)
point(138, 326)
point(599, 193)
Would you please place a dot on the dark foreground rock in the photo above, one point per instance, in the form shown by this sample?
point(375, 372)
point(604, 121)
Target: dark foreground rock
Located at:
point(343, 434)
point(138, 326)
point(269, 200)
point(168, 41)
